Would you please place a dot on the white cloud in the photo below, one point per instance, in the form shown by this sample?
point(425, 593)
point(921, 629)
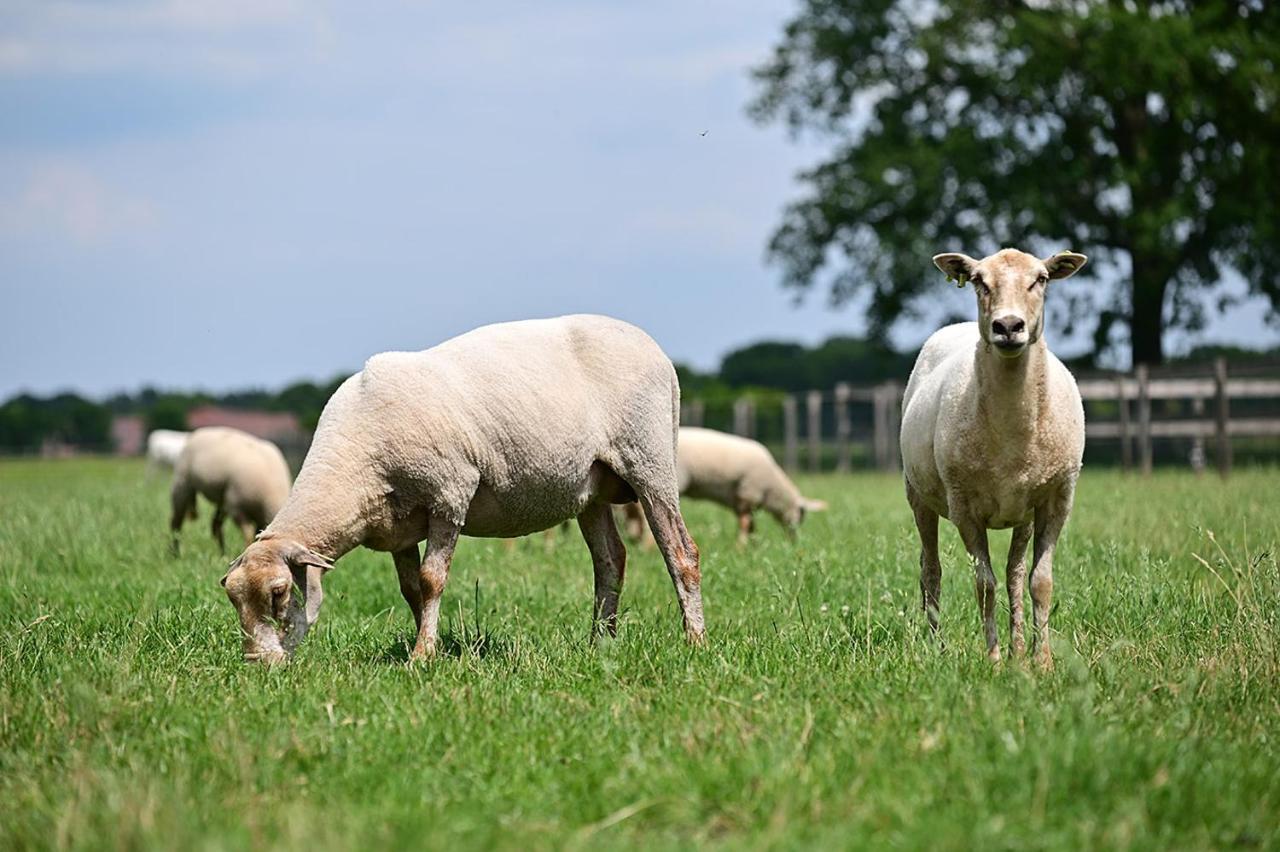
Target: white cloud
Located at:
point(62, 200)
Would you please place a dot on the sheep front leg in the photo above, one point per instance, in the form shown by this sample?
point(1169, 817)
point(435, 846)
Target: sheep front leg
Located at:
point(1049, 521)
point(442, 538)
point(408, 564)
point(184, 503)
point(609, 559)
point(1015, 575)
point(248, 529)
point(681, 555)
point(215, 528)
point(974, 535)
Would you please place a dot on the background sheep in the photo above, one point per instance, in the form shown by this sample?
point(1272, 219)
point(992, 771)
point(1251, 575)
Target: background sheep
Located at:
point(993, 435)
point(243, 476)
point(504, 431)
point(163, 448)
point(741, 474)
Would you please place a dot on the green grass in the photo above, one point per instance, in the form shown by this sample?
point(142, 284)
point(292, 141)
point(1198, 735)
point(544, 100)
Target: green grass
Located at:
point(818, 715)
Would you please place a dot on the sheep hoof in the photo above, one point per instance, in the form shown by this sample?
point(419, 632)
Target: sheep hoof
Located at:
point(422, 654)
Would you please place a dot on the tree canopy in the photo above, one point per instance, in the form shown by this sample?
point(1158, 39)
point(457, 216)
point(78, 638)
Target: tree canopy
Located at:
point(1141, 133)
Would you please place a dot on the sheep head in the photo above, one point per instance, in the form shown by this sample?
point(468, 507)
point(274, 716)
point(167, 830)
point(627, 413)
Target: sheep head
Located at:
point(275, 587)
point(1010, 286)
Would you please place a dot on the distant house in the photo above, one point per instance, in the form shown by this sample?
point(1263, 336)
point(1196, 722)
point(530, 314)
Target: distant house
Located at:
point(277, 426)
point(128, 433)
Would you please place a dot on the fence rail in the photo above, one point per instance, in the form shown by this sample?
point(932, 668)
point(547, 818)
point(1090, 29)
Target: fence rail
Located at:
point(828, 429)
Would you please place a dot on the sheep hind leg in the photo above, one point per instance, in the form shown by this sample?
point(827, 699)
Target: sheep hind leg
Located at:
point(442, 538)
point(609, 560)
point(408, 564)
point(1015, 577)
point(681, 556)
point(746, 526)
point(930, 565)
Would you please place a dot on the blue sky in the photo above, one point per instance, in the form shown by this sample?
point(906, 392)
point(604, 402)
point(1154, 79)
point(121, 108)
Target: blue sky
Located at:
point(248, 192)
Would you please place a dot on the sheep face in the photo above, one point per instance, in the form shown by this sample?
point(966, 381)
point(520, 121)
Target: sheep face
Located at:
point(1010, 287)
point(275, 588)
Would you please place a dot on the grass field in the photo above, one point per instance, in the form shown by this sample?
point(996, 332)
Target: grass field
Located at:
point(818, 715)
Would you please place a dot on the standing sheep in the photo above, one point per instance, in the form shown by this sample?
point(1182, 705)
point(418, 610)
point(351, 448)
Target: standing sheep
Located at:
point(243, 476)
point(503, 431)
point(742, 475)
point(993, 436)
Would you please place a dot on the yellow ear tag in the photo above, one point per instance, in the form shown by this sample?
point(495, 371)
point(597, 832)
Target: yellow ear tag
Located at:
point(960, 281)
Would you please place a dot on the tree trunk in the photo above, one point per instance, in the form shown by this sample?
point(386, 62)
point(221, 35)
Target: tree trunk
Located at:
point(1146, 323)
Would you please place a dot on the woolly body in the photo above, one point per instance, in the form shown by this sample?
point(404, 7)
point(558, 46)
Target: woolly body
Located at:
point(1004, 449)
point(245, 478)
point(503, 430)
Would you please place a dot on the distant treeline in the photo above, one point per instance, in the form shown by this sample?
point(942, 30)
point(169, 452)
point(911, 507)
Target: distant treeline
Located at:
point(770, 368)
point(27, 422)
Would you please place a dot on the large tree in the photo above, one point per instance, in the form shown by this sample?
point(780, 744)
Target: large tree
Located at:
point(1144, 134)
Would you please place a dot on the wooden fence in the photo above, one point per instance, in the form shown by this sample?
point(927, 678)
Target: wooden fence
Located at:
point(828, 429)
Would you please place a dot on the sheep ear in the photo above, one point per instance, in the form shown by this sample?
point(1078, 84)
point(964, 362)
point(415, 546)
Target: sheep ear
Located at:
point(304, 558)
point(815, 505)
point(307, 579)
point(954, 265)
point(1064, 264)
point(233, 566)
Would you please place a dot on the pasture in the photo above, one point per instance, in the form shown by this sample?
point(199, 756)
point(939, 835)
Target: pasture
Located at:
point(820, 714)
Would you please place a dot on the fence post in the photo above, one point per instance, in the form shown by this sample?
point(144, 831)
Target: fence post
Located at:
point(1144, 419)
point(693, 413)
point(879, 446)
point(1222, 416)
point(893, 414)
point(814, 403)
point(790, 433)
point(1126, 446)
point(742, 417)
point(844, 428)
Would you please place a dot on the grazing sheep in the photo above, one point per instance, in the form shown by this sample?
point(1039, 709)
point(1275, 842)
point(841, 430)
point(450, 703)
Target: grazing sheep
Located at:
point(993, 436)
point(504, 431)
point(633, 522)
point(740, 474)
point(163, 448)
point(243, 476)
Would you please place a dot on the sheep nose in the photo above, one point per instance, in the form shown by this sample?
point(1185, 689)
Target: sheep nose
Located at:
point(1008, 325)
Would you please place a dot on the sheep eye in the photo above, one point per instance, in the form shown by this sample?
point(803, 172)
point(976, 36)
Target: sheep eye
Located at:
point(1041, 280)
point(980, 284)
